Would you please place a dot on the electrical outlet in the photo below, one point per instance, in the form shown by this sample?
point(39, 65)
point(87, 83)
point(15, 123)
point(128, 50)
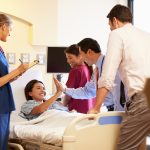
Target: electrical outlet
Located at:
point(11, 58)
point(40, 58)
point(25, 57)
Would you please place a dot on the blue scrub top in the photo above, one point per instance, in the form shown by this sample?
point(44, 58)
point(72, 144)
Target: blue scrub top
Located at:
point(6, 97)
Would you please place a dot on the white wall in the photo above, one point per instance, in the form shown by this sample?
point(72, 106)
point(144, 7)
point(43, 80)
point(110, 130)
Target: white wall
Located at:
point(141, 14)
point(54, 23)
point(78, 19)
point(41, 14)
point(35, 28)
point(18, 42)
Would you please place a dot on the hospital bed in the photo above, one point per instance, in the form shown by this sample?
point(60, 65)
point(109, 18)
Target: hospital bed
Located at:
point(58, 130)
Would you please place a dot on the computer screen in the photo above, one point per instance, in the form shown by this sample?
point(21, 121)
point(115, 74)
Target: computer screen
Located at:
point(56, 60)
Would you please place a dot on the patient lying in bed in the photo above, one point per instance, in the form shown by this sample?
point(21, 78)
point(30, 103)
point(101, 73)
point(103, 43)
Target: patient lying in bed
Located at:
point(36, 103)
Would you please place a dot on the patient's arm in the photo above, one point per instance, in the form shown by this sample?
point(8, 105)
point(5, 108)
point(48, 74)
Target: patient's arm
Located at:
point(45, 105)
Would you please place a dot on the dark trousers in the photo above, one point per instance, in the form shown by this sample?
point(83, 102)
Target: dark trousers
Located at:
point(110, 107)
point(4, 130)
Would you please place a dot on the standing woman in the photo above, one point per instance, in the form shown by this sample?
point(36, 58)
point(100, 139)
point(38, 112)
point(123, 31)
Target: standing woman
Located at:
point(79, 75)
point(6, 97)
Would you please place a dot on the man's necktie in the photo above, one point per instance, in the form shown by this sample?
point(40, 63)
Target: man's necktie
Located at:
point(122, 95)
point(96, 76)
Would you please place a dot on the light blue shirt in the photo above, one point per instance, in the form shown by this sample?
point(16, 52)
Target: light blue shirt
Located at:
point(89, 90)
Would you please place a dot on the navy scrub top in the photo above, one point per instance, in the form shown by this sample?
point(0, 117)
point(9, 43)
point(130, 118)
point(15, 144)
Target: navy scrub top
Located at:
point(6, 97)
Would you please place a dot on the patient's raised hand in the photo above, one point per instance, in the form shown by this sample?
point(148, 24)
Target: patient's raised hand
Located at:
point(58, 88)
point(58, 85)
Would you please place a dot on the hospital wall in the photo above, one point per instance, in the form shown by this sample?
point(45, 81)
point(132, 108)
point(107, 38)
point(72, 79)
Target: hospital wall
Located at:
point(39, 24)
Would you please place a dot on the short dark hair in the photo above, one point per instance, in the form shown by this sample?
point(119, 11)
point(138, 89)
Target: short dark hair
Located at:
point(121, 12)
point(29, 87)
point(89, 43)
point(72, 49)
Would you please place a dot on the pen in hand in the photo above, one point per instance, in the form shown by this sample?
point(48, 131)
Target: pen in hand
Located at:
point(21, 61)
point(22, 67)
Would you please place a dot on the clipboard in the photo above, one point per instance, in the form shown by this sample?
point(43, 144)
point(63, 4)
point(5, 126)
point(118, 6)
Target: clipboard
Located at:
point(35, 62)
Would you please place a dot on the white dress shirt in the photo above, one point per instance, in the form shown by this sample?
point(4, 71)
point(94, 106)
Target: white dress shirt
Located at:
point(129, 52)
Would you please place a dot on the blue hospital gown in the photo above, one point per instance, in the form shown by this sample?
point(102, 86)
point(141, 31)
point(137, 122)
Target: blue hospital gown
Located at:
point(27, 107)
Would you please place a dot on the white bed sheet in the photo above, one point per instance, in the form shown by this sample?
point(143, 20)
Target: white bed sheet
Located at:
point(47, 128)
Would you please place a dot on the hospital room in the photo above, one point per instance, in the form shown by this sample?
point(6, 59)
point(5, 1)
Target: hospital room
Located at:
point(47, 41)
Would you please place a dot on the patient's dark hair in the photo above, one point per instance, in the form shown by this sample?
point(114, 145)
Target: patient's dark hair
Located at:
point(29, 87)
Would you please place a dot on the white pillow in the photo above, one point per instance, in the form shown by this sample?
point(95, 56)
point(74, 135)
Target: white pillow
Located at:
point(18, 89)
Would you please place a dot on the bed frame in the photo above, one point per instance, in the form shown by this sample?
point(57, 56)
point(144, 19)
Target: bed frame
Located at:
point(100, 133)
point(25, 144)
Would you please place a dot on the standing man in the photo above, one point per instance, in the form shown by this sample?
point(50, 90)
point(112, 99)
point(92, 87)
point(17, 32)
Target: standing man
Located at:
point(91, 53)
point(129, 52)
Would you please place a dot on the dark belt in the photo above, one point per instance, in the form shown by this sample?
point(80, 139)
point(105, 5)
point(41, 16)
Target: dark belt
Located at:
point(136, 94)
point(128, 103)
point(132, 97)
point(110, 107)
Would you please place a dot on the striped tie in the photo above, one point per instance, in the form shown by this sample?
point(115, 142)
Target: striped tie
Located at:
point(97, 76)
point(122, 95)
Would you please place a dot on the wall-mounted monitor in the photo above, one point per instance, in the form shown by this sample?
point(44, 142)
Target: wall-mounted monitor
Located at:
point(56, 60)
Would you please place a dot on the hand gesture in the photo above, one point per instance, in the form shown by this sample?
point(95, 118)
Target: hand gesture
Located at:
point(58, 85)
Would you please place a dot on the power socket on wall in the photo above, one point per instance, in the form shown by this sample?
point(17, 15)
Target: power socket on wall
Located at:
point(40, 58)
point(11, 58)
point(25, 57)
